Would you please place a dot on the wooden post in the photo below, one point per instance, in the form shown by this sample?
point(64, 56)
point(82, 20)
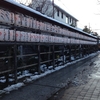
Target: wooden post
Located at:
point(49, 49)
point(8, 64)
point(15, 62)
point(75, 50)
point(14, 51)
point(53, 53)
point(63, 54)
point(39, 59)
point(88, 50)
point(80, 51)
point(70, 52)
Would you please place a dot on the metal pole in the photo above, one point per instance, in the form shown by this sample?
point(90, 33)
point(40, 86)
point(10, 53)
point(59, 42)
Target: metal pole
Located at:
point(53, 7)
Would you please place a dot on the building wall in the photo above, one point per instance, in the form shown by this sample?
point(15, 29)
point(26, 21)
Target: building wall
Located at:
point(60, 17)
point(69, 20)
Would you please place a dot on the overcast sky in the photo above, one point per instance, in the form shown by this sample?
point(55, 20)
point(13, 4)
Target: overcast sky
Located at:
point(86, 11)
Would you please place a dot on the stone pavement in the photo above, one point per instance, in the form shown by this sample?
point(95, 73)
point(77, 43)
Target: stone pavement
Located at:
point(88, 91)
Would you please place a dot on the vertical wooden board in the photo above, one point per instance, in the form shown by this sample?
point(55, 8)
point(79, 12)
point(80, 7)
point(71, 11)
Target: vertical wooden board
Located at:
point(29, 37)
point(34, 24)
point(30, 22)
point(43, 24)
point(27, 21)
point(69, 40)
point(2, 34)
point(35, 37)
point(58, 30)
point(8, 17)
point(2, 16)
point(64, 40)
point(37, 24)
point(41, 27)
point(17, 34)
point(42, 39)
point(22, 36)
point(6, 35)
point(18, 19)
point(38, 37)
point(32, 37)
point(53, 28)
point(49, 39)
point(68, 33)
point(57, 39)
point(52, 39)
point(23, 20)
point(12, 35)
point(63, 31)
point(48, 27)
point(26, 36)
point(12, 18)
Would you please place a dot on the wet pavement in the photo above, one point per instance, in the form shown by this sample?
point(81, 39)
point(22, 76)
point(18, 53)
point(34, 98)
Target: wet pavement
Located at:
point(89, 91)
point(81, 87)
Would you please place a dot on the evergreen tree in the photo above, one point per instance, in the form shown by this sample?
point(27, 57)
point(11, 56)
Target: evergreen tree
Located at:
point(86, 29)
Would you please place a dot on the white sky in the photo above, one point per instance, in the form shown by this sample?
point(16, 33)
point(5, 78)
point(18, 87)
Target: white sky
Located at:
point(84, 10)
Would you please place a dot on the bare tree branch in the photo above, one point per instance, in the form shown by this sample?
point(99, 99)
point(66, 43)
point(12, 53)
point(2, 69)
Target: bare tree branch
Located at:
point(24, 2)
point(44, 6)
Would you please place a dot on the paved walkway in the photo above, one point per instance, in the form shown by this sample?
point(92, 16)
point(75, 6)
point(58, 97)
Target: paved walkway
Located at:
point(88, 91)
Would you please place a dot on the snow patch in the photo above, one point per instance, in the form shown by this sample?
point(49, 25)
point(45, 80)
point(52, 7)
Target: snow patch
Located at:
point(96, 75)
point(13, 87)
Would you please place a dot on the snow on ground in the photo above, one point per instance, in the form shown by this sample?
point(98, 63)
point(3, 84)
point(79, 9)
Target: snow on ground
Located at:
point(97, 74)
point(11, 88)
point(76, 81)
point(90, 71)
